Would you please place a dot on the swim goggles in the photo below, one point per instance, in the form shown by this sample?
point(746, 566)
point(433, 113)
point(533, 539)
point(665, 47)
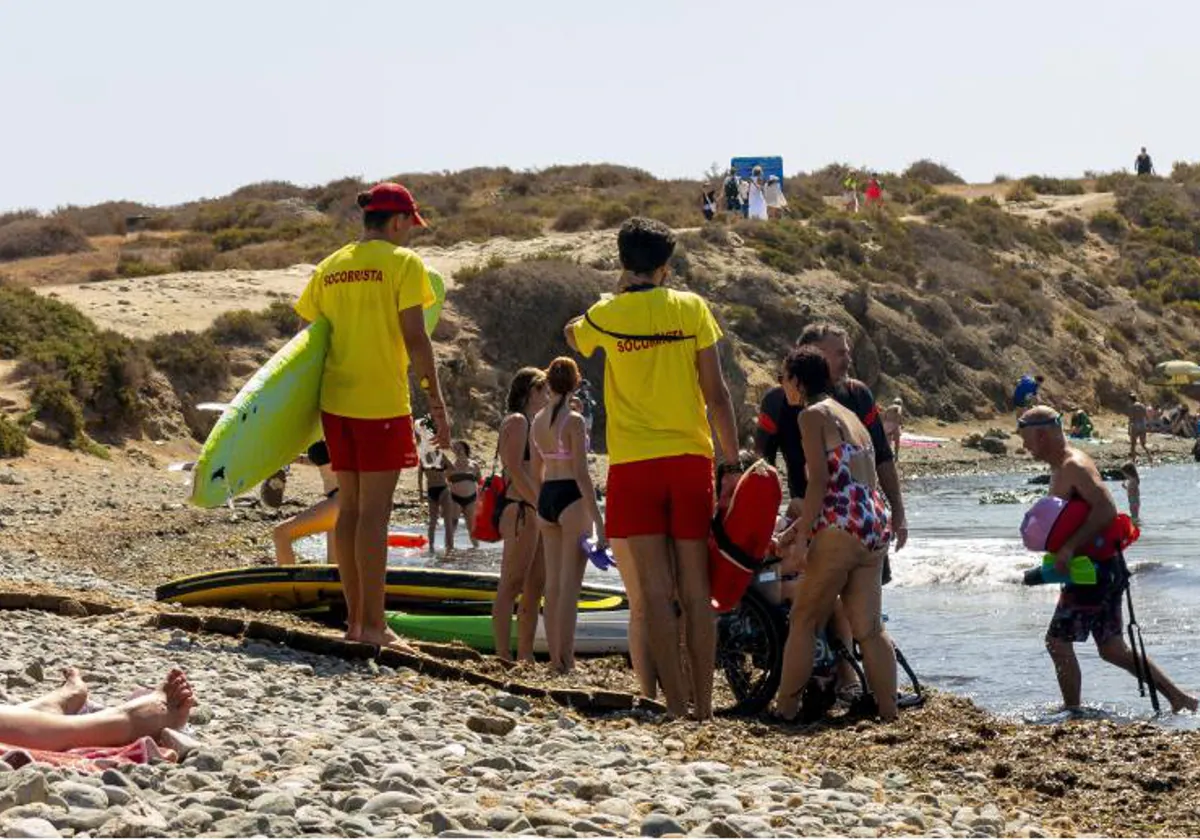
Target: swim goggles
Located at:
point(1034, 422)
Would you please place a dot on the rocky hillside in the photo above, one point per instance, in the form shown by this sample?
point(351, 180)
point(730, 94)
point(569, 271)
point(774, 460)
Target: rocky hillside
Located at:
point(951, 291)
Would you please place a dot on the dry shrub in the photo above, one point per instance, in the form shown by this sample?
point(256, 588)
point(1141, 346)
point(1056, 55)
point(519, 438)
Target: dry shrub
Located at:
point(1108, 225)
point(40, 238)
point(1020, 192)
point(1042, 185)
point(521, 308)
point(192, 360)
point(573, 219)
point(199, 256)
point(932, 173)
point(13, 443)
point(1070, 229)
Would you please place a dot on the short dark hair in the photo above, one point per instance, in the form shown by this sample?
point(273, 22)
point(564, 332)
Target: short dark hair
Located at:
point(818, 332)
point(644, 245)
point(466, 447)
point(807, 366)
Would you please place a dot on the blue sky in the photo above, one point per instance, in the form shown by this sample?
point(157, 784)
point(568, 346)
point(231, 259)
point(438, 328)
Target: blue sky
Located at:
point(167, 101)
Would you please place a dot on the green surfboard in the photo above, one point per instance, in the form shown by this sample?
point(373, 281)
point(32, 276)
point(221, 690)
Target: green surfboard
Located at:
point(275, 416)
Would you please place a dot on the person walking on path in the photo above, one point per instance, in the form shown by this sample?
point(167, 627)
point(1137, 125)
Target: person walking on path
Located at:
point(1143, 165)
point(372, 292)
point(733, 192)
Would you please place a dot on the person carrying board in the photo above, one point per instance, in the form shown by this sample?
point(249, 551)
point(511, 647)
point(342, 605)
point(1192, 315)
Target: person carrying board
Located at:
point(372, 292)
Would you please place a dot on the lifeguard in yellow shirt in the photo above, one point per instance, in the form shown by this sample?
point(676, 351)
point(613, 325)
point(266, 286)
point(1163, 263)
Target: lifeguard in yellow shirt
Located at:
point(373, 292)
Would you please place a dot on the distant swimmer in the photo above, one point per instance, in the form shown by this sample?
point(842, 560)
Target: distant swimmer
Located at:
point(1143, 164)
point(1133, 490)
point(893, 424)
point(1087, 609)
point(431, 482)
point(318, 519)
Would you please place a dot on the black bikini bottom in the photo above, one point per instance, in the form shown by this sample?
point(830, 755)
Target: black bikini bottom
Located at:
point(557, 496)
point(463, 501)
point(435, 493)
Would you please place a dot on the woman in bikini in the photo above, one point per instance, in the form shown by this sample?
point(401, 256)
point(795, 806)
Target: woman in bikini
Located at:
point(839, 540)
point(567, 508)
point(432, 478)
point(320, 518)
point(464, 483)
point(522, 570)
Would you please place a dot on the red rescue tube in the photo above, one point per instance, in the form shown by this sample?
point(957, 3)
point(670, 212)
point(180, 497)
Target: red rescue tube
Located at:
point(399, 539)
point(742, 535)
point(491, 491)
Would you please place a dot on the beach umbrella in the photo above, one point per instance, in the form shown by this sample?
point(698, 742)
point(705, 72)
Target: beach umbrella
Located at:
point(1176, 372)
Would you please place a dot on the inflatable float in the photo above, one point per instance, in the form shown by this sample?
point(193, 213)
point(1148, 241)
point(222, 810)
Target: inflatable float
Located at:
point(275, 416)
point(319, 587)
point(598, 632)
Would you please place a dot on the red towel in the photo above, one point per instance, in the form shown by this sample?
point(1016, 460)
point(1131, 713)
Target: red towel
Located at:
point(90, 759)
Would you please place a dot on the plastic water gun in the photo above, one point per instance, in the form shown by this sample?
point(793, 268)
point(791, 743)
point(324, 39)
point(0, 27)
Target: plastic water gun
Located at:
point(601, 556)
point(1081, 570)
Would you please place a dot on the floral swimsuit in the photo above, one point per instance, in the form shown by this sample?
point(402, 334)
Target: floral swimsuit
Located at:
point(850, 505)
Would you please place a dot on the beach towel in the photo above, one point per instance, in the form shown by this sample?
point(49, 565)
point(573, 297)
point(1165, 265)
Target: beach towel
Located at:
point(90, 759)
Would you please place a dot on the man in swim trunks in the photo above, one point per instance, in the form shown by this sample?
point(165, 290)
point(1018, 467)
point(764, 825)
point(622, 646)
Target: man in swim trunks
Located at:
point(1139, 423)
point(662, 380)
point(1085, 610)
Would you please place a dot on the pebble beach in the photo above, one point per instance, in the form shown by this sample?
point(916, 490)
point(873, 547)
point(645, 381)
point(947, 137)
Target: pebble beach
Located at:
point(288, 741)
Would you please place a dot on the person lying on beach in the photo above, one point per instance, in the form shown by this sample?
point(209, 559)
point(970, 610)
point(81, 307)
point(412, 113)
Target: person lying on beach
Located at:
point(321, 518)
point(53, 721)
point(1094, 609)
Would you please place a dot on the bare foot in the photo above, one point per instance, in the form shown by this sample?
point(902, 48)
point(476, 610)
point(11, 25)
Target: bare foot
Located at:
point(66, 700)
point(168, 707)
point(389, 639)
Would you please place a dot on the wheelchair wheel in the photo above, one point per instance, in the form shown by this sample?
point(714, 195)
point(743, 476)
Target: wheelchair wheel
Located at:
point(750, 642)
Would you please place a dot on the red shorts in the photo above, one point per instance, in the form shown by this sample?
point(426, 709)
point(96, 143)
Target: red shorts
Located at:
point(357, 445)
point(671, 496)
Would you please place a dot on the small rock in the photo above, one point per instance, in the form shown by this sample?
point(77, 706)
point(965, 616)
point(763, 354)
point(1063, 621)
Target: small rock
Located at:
point(549, 816)
point(35, 671)
point(588, 791)
point(864, 785)
point(511, 703)
point(496, 762)
point(31, 827)
point(390, 802)
point(720, 828)
point(191, 821)
point(832, 780)
point(615, 806)
point(274, 803)
point(518, 826)
point(498, 819)
point(491, 724)
point(656, 825)
point(82, 796)
point(440, 821)
point(378, 706)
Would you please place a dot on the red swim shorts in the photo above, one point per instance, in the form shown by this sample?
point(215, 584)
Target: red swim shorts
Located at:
point(357, 445)
point(671, 496)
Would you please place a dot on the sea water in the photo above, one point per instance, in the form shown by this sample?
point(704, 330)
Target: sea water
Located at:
point(957, 609)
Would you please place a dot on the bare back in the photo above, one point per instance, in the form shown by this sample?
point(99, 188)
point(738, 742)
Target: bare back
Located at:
point(839, 426)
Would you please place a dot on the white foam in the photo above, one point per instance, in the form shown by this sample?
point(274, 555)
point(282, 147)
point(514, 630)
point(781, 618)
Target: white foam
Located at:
point(985, 562)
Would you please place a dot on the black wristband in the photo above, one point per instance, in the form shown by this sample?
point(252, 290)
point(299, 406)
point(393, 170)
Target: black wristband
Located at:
point(725, 469)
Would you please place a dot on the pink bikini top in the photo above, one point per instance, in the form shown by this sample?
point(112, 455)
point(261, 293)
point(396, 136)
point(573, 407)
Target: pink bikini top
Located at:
point(560, 453)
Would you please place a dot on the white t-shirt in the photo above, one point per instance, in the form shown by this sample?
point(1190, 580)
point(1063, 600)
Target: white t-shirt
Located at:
point(758, 202)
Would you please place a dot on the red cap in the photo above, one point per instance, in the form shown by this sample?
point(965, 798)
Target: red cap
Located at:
point(390, 197)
